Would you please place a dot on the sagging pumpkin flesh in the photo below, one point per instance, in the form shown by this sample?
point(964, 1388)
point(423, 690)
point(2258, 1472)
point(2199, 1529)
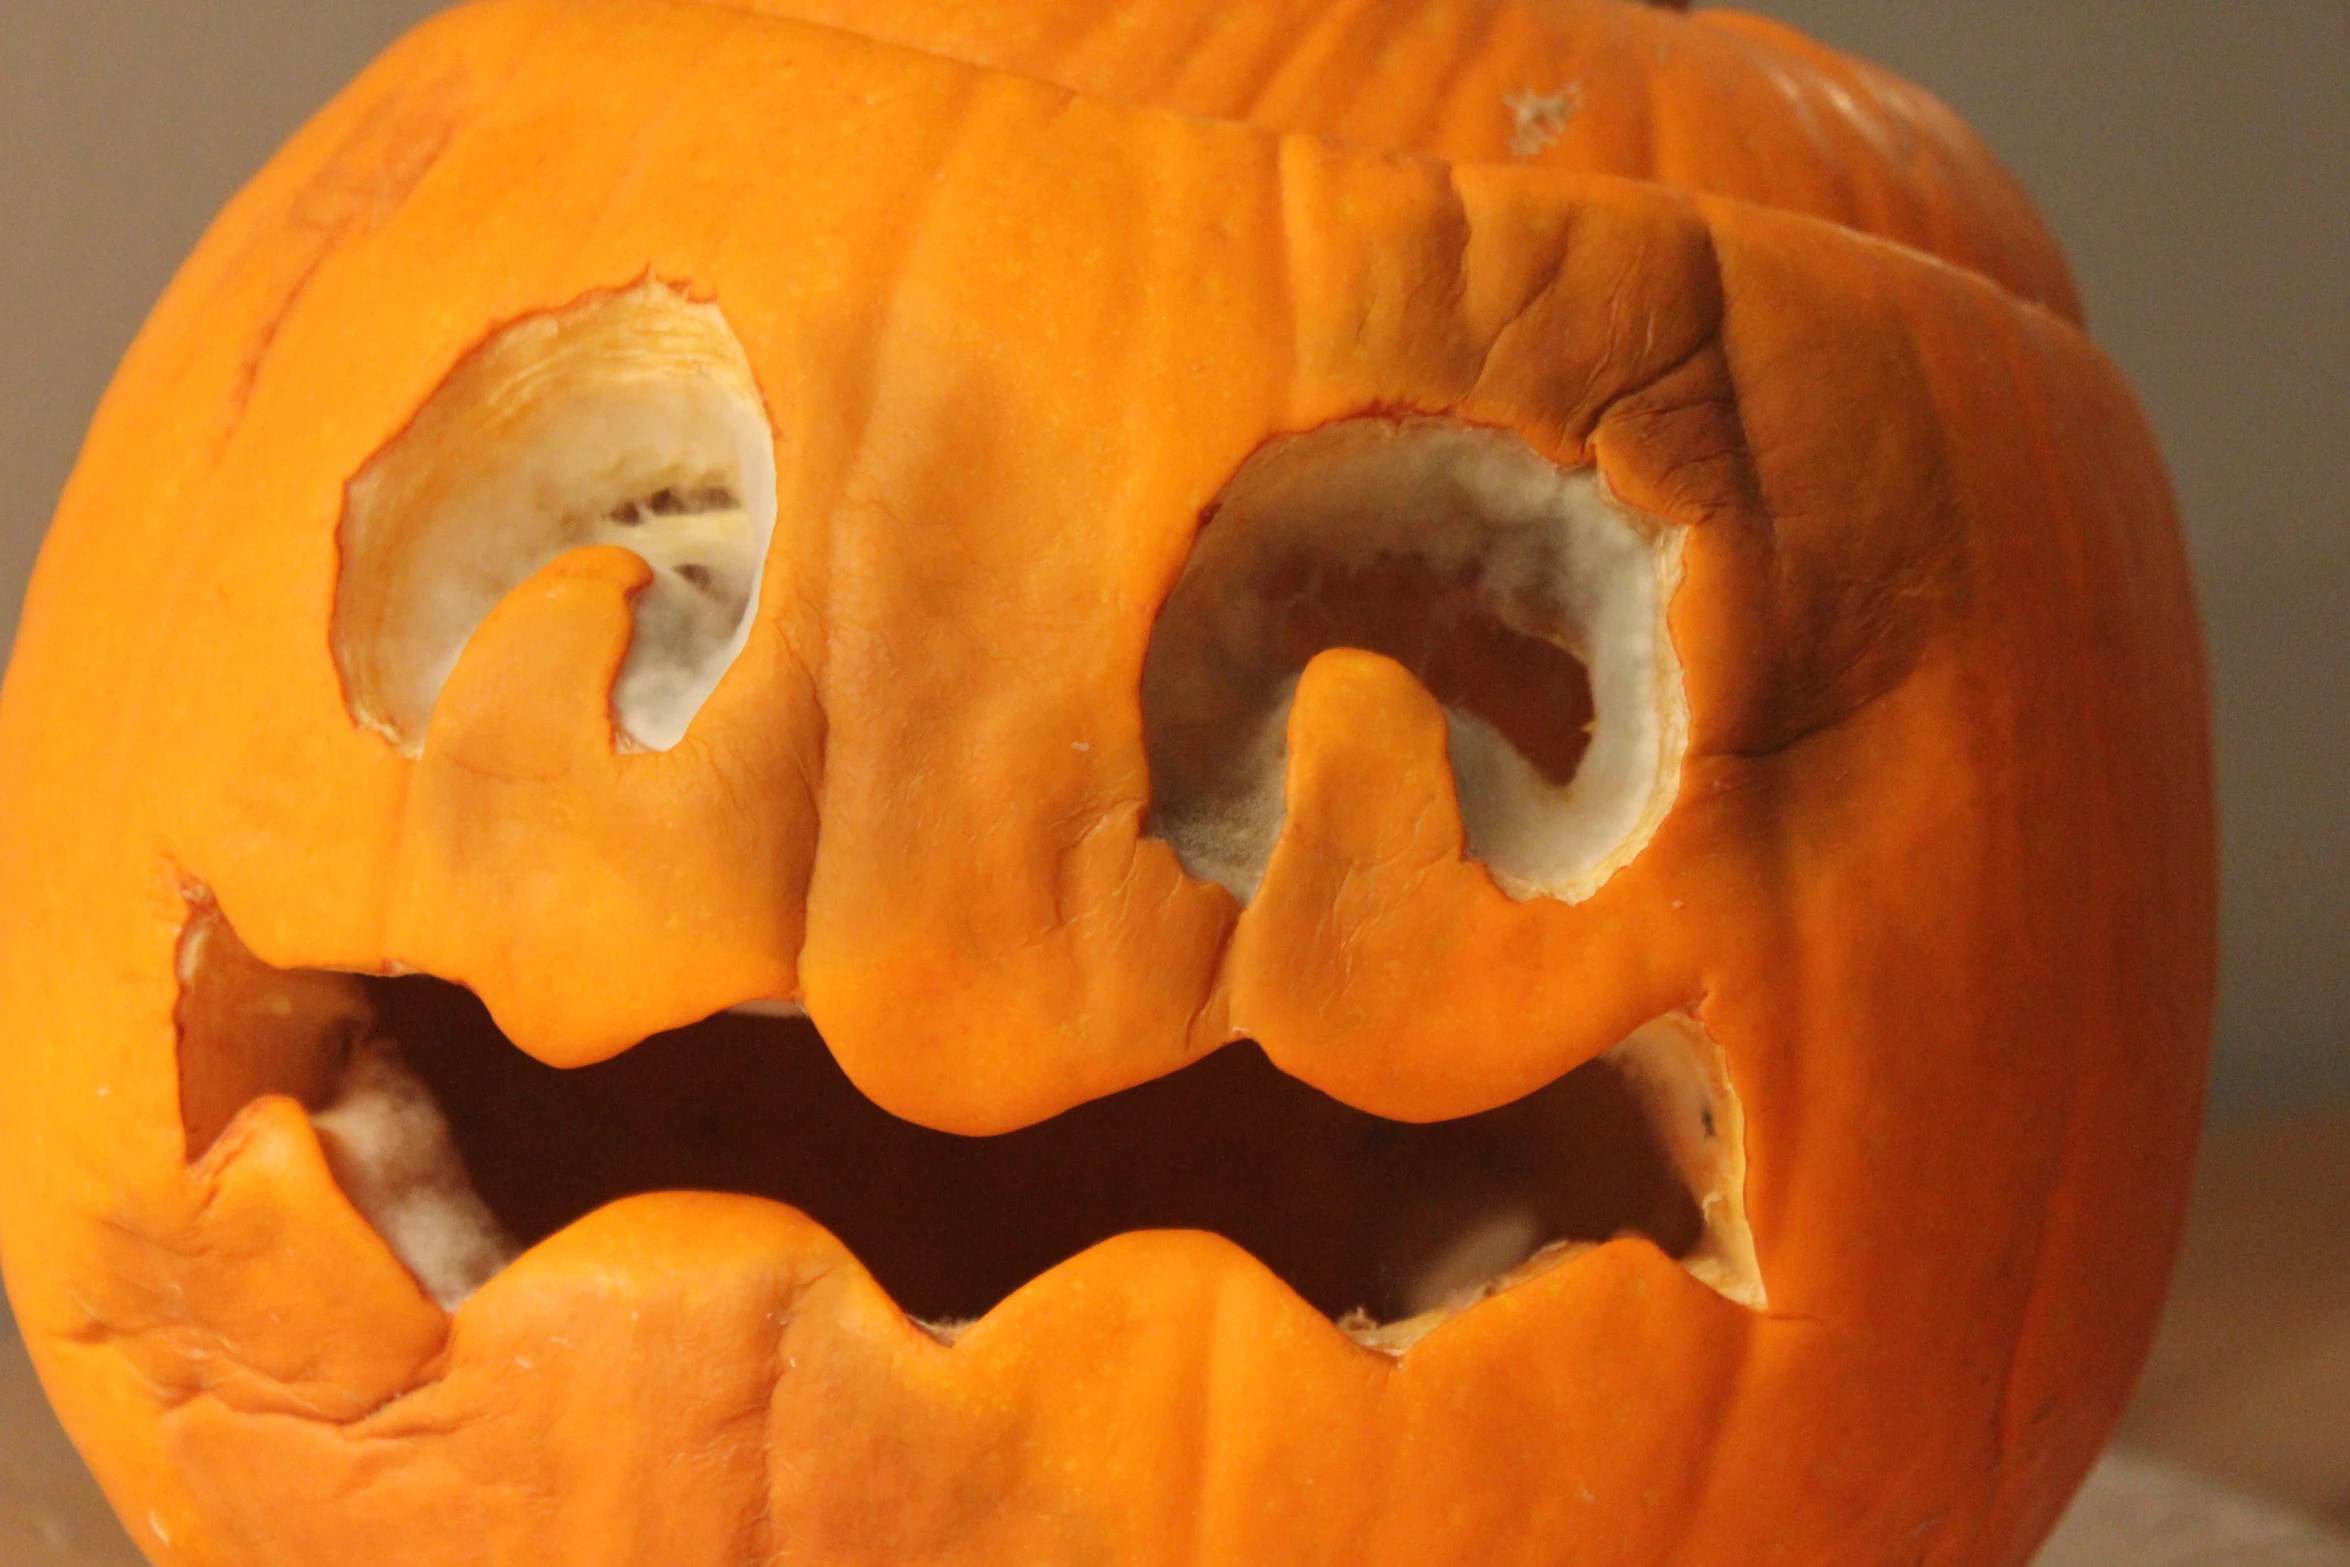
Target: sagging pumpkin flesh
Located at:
point(1934, 875)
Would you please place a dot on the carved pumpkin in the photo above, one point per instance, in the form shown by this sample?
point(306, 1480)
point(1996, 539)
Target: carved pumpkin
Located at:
point(1400, 783)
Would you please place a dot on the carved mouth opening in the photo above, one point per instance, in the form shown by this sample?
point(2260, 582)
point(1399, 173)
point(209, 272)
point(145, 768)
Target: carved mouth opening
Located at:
point(461, 1150)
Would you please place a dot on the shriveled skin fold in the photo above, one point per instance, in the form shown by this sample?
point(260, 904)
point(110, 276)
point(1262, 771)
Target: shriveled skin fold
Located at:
point(1938, 880)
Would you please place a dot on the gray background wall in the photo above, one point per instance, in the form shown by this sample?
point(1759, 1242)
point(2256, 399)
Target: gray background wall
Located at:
point(2194, 155)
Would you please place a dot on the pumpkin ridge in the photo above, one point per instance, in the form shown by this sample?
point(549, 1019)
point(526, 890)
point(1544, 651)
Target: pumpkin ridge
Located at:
point(753, 11)
point(1913, 117)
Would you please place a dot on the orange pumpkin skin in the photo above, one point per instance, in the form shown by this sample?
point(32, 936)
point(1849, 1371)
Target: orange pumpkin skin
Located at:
point(1938, 876)
point(1717, 104)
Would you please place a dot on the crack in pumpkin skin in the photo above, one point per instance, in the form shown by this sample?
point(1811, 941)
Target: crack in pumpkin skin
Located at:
point(1985, 878)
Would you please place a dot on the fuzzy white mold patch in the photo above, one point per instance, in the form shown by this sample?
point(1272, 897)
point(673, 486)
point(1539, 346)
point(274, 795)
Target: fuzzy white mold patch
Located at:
point(1529, 601)
point(392, 1153)
point(1539, 119)
point(630, 419)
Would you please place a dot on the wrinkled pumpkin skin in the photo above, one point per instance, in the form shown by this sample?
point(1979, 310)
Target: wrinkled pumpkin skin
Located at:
point(1939, 878)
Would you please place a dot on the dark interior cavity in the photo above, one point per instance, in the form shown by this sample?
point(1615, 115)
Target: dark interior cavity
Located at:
point(1353, 1211)
point(1444, 628)
point(1204, 712)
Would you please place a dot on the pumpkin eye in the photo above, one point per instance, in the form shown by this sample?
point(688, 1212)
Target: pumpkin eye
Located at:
point(630, 419)
point(1530, 604)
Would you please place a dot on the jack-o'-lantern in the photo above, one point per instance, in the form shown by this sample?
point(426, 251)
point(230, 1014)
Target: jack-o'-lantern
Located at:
point(1141, 783)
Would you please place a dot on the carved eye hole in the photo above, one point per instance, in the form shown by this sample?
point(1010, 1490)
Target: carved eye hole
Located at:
point(1529, 603)
point(630, 419)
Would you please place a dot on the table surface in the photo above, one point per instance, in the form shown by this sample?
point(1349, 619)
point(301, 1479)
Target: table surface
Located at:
point(2236, 1452)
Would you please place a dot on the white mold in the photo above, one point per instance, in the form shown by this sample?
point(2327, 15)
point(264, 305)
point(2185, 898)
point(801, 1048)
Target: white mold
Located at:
point(392, 1153)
